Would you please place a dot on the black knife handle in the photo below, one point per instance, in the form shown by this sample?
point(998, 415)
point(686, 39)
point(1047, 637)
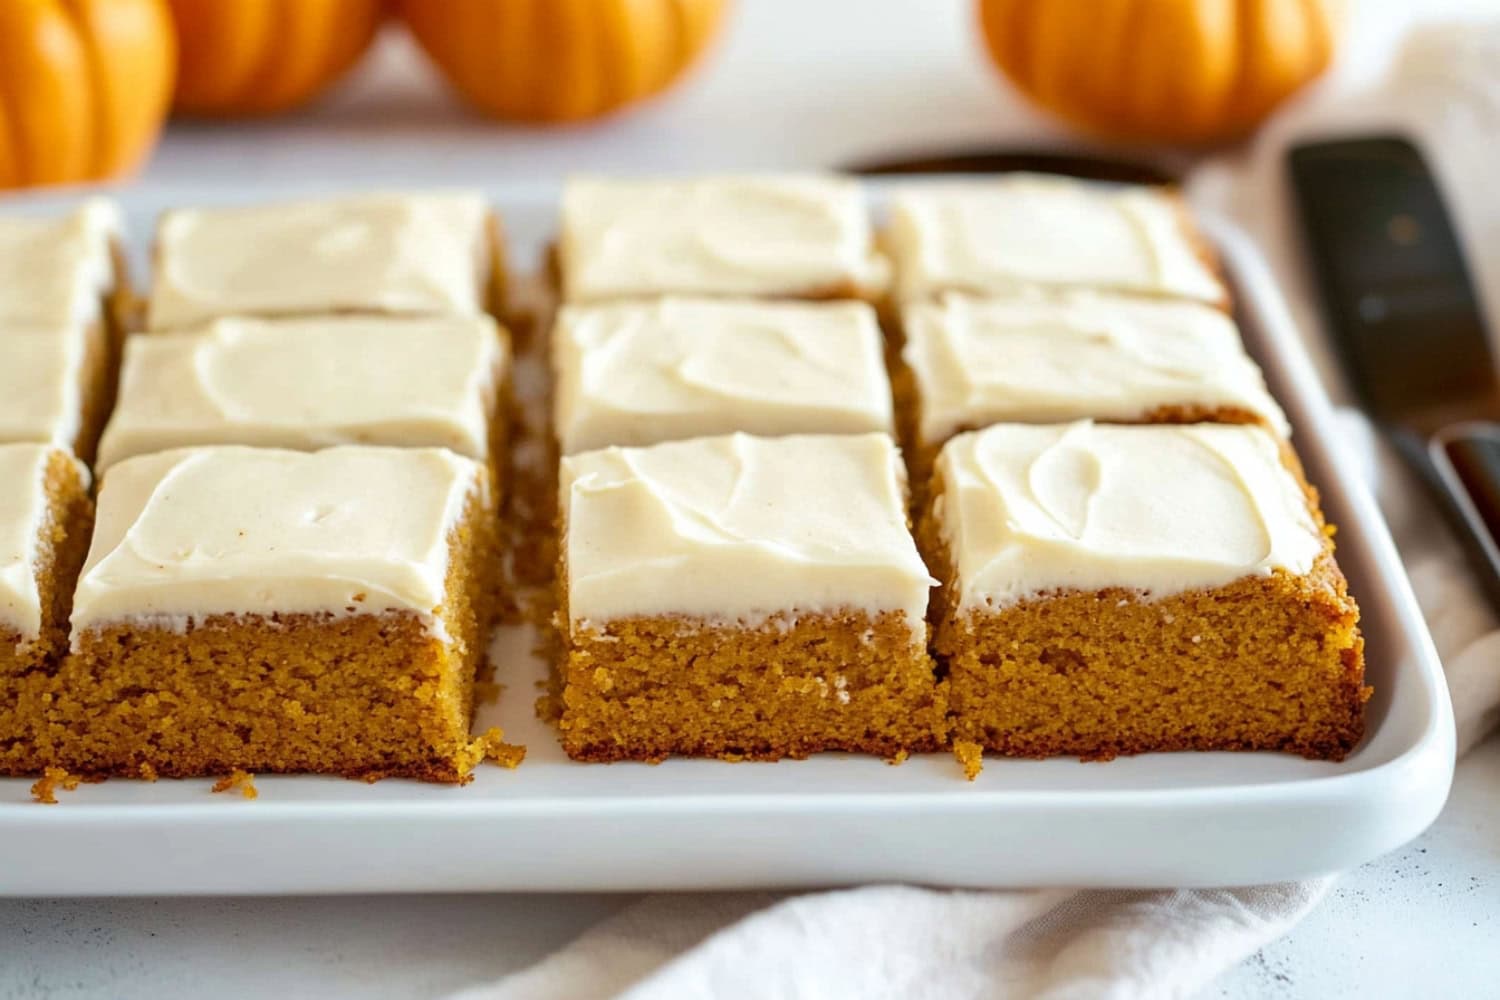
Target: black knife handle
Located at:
point(1466, 460)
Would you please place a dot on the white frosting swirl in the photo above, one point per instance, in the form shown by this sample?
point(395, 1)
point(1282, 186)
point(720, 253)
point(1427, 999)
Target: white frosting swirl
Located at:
point(42, 370)
point(768, 235)
point(996, 235)
point(643, 373)
point(184, 534)
point(311, 383)
point(739, 528)
point(411, 254)
point(1044, 359)
point(1157, 509)
point(58, 270)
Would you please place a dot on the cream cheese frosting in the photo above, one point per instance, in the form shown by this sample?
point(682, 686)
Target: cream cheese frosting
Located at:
point(770, 235)
point(994, 236)
point(409, 254)
point(57, 271)
point(1050, 359)
point(42, 372)
point(1026, 510)
point(311, 383)
point(25, 512)
point(739, 528)
point(184, 534)
point(643, 373)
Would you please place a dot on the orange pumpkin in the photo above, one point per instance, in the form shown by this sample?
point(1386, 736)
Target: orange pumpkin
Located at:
point(83, 87)
point(258, 57)
point(561, 60)
point(1190, 71)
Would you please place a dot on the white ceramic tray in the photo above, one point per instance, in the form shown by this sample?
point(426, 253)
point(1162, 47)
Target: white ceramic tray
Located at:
point(1192, 819)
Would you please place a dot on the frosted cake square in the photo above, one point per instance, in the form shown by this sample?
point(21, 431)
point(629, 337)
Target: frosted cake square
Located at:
point(1120, 589)
point(642, 373)
point(994, 236)
point(45, 514)
point(56, 384)
point(312, 383)
point(396, 254)
point(64, 271)
point(740, 596)
point(269, 610)
point(777, 236)
point(1052, 359)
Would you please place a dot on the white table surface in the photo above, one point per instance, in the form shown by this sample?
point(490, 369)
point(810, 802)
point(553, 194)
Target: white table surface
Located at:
point(792, 84)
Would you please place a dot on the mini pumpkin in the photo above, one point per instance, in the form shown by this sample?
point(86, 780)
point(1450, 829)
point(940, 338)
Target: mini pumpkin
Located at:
point(561, 60)
point(1188, 71)
point(84, 86)
point(259, 57)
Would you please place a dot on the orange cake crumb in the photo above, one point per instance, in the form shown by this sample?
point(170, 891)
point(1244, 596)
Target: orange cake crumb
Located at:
point(147, 772)
point(970, 756)
point(243, 780)
point(491, 746)
point(45, 788)
point(897, 758)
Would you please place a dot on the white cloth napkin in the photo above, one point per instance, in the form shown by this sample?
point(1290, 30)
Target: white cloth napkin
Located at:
point(901, 942)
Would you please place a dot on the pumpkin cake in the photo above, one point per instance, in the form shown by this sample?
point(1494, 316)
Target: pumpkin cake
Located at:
point(312, 383)
point(642, 373)
point(743, 597)
point(995, 236)
point(56, 383)
point(45, 514)
point(1120, 589)
point(769, 236)
point(391, 254)
point(1033, 358)
point(266, 610)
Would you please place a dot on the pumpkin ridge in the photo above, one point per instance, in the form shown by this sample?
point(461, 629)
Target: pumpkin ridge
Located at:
point(555, 61)
point(12, 147)
point(93, 62)
point(516, 72)
point(43, 156)
point(268, 83)
point(681, 47)
point(1116, 58)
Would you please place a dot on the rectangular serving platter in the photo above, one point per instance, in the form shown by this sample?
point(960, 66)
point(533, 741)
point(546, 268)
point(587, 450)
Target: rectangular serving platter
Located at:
point(1190, 819)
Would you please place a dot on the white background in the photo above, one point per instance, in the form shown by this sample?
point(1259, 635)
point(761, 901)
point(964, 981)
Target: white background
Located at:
point(793, 83)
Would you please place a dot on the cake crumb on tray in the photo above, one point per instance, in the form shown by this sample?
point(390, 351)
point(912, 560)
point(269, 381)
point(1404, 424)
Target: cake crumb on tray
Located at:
point(970, 756)
point(44, 789)
point(491, 746)
point(243, 780)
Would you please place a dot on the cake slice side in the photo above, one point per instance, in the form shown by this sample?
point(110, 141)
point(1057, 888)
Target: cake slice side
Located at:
point(29, 659)
point(175, 690)
point(1269, 659)
point(648, 688)
point(742, 597)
